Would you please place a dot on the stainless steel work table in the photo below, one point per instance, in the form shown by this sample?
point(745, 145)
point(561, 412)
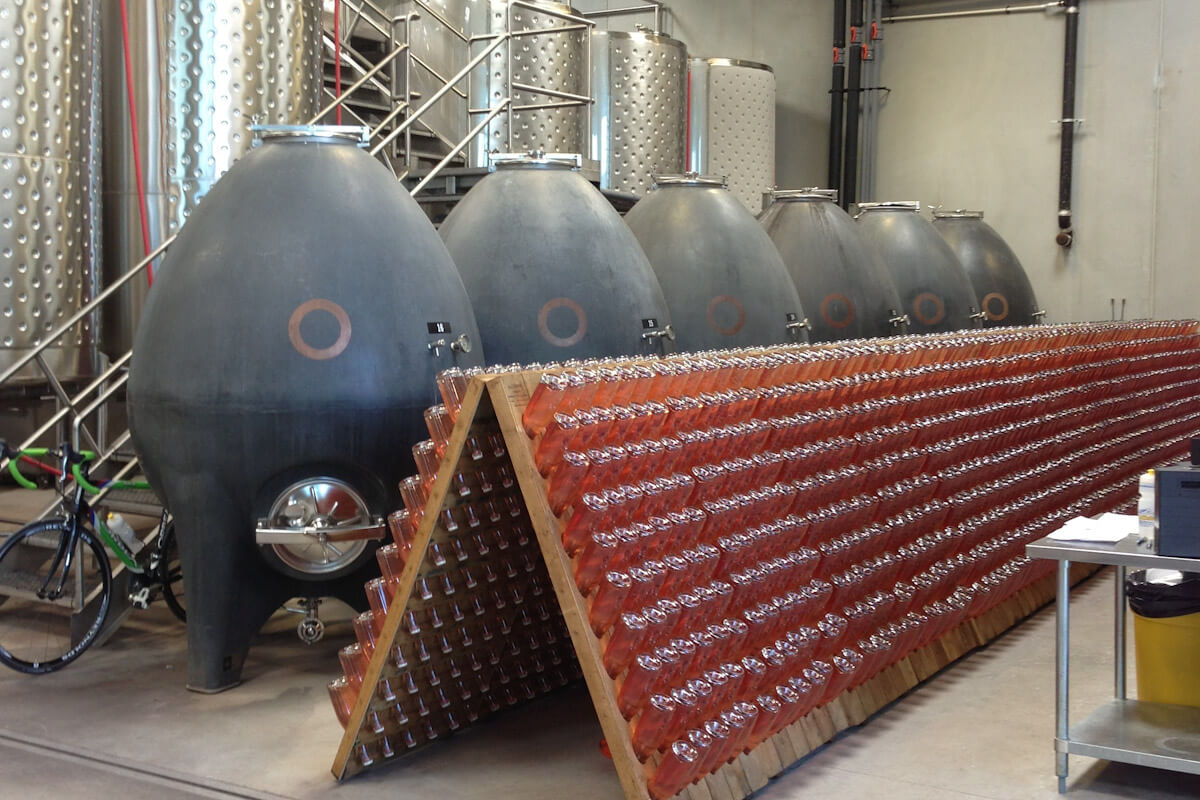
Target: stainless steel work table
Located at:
point(1129, 731)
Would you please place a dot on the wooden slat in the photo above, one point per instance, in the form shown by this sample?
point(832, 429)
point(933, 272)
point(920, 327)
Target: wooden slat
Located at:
point(344, 765)
point(510, 396)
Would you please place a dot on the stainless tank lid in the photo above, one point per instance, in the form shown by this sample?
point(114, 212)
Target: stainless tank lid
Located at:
point(359, 135)
point(690, 179)
point(536, 159)
point(892, 205)
point(958, 214)
point(812, 194)
point(733, 62)
point(642, 34)
point(553, 5)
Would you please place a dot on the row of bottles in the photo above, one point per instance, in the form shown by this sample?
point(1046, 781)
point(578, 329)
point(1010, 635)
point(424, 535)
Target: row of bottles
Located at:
point(749, 555)
point(755, 532)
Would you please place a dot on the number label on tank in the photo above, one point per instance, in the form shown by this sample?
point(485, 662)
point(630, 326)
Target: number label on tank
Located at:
point(649, 324)
point(438, 327)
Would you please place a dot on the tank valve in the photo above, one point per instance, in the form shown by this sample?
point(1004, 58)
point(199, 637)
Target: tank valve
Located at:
point(667, 333)
point(1038, 315)
point(311, 629)
point(978, 316)
point(460, 344)
point(794, 327)
point(899, 320)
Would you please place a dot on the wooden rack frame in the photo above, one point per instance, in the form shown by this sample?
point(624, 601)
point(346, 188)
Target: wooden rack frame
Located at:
point(376, 733)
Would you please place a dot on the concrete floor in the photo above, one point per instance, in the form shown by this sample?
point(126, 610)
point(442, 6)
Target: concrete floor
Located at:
point(982, 728)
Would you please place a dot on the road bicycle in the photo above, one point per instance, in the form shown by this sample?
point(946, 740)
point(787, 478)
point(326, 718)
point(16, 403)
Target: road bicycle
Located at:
point(56, 576)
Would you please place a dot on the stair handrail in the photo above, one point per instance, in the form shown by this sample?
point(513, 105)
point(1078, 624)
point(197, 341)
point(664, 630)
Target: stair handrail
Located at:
point(358, 84)
point(69, 408)
point(89, 308)
point(392, 135)
point(353, 60)
point(437, 15)
point(433, 173)
point(357, 7)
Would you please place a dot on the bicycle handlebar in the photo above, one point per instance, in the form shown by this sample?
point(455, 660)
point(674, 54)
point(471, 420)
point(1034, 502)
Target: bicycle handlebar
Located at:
point(78, 459)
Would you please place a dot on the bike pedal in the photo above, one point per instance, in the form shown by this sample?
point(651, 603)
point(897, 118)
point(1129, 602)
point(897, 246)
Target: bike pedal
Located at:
point(140, 599)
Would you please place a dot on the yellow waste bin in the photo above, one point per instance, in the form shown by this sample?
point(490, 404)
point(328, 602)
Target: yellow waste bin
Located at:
point(1166, 635)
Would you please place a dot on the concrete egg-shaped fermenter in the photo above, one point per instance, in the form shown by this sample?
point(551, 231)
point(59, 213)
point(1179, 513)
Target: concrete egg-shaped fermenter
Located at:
point(723, 279)
point(933, 286)
point(552, 271)
point(845, 289)
point(279, 375)
point(1002, 288)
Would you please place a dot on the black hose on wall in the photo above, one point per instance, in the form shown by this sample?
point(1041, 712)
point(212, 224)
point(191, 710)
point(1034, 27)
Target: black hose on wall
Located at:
point(1066, 233)
point(853, 89)
point(836, 94)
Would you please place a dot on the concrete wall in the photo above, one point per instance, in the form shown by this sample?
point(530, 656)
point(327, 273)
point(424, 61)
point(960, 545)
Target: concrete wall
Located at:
point(968, 123)
point(793, 36)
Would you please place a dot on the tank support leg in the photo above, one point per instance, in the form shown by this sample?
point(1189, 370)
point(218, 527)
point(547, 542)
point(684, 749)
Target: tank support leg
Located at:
point(230, 593)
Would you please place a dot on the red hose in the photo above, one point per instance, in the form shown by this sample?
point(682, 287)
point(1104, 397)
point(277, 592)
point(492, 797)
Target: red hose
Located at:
point(137, 147)
point(337, 55)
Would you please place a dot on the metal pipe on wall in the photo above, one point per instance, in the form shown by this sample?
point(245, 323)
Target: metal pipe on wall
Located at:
point(853, 91)
point(837, 95)
point(871, 102)
point(978, 12)
point(1066, 166)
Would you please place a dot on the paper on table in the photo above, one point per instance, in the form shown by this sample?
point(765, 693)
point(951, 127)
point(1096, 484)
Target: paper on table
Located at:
point(1108, 528)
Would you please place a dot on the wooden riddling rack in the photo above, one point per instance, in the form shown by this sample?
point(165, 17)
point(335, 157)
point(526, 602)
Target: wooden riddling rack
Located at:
point(750, 551)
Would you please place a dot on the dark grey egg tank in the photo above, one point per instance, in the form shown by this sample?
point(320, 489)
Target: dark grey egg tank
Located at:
point(552, 271)
point(933, 287)
point(1002, 288)
point(279, 373)
point(843, 285)
point(723, 279)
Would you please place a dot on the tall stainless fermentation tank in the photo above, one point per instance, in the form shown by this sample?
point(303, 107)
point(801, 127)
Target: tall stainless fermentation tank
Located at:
point(723, 279)
point(731, 124)
point(555, 62)
point(552, 271)
point(844, 287)
point(639, 82)
point(49, 180)
point(286, 353)
point(930, 280)
point(203, 72)
point(1002, 288)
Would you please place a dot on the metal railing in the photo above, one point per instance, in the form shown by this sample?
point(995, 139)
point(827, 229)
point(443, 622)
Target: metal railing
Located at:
point(649, 7)
point(385, 133)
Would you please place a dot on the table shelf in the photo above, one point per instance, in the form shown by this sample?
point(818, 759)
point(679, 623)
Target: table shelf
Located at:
point(1137, 732)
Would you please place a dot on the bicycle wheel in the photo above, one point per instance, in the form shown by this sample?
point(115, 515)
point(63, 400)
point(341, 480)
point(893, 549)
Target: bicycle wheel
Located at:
point(170, 573)
point(42, 635)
